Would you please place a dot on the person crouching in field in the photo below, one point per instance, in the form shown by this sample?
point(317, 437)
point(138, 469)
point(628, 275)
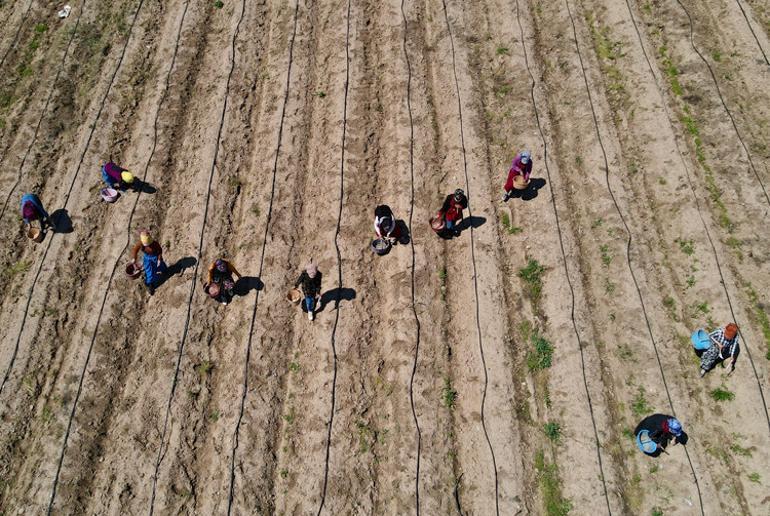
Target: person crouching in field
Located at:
point(32, 209)
point(724, 345)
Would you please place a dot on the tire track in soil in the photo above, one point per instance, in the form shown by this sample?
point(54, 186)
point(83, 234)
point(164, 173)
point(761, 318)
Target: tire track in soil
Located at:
point(629, 243)
point(43, 114)
point(438, 464)
point(180, 354)
point(472, 258)
point(672, 230)
point(734, 269)
point(261, 268)
point(535, 394)
point(122, 359)
point(67, 197)
point(338, 299)
point(115, 266)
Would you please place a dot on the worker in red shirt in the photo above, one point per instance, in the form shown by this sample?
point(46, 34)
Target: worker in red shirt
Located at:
point(521, 166)
point(452, 211)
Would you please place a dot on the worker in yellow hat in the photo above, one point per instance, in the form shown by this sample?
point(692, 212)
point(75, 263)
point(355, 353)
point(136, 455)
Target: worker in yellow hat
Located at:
point(116, 176)
point(152, 260)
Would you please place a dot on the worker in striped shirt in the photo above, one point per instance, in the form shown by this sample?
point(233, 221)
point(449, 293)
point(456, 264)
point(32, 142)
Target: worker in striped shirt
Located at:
point(724, 345)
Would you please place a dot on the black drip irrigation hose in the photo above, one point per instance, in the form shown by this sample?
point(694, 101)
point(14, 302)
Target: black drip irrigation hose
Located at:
point(564, 258)
point(751, 28)
point(414, 260)
point(115, 267)
point(18, 33)
point(629, 241)
point(339, 262)
point(473, 260)
point(723, 102)
point(69, 193)
point(180, 352)
point(699, 210)
point(244, 393)
point(43, 112)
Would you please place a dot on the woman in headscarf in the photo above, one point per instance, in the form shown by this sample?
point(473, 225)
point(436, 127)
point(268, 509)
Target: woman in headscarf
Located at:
point(310, 283)
point(32, 209)
point(724, 345)
point(221, 273)
point(115, 176)
point(521, 166)
point(152, 260)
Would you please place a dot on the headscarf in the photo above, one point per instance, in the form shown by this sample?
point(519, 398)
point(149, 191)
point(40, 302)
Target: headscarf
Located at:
point(127, 177)
point(731, 330)
point(145, 237)
point(673, 426)
point(221, 265)
point(28, 211)
point(525, 156)
point(311, 269)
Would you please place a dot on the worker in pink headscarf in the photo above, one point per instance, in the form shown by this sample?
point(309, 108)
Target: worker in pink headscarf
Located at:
point(521, 166)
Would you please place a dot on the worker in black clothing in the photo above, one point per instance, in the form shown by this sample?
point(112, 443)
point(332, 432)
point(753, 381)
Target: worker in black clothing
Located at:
point(310, 282)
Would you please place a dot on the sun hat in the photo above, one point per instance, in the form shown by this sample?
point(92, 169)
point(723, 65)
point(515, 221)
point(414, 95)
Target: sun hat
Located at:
point(731, 330)
point(127, 176)
point(525, 156)
point(145, 238)
point(674, 426)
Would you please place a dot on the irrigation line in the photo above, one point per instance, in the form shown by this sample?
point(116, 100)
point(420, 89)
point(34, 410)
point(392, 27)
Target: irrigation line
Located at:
point(180, 351)
point(115, 266)
point(236, 433)
point(698, 207)
point(69, 193)
point(629, 241)
point(751, 28)
point(43, 112)
point(18, 32)
point(339, 262)
point(414, 260)
point(473, 261)
point(722, 100)
point(564, 258)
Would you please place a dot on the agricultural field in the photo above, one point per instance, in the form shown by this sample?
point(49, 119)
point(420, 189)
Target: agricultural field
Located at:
point(502, 371)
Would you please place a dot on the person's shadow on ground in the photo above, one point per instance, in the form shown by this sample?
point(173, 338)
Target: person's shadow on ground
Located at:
point(177, 267)
point(62, 223)
point(403, 232)
point(246, 284)
point(143, 187)
point(335, 295)
point(531, 191)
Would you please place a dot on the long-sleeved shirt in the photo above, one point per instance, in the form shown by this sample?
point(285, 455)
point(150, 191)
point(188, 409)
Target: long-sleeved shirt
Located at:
point(452, 208)
point(32, 201)
point(112, 174)
point(730, 347)
point(518, 169)
point(310, 286)
point(154, 249)
point(213, 270)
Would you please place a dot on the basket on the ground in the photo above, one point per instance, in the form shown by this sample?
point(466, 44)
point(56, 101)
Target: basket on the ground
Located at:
point(109, 194)
point(700, 340)
point(381, 246)
point(133, 271)
point(519, 183)
point(35, 234)
point(294, 296)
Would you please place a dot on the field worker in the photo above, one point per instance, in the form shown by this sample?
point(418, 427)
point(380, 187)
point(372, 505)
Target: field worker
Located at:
point(452, 210)
point(310, 283)
point(521, 166)
point(660, 429)
point(32, 209)
point(116, 177)
point(152, 260)
point(724, 345)
point(385, 223)
point(221, 274)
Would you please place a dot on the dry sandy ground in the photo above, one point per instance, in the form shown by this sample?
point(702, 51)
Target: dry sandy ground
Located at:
point(269, 130)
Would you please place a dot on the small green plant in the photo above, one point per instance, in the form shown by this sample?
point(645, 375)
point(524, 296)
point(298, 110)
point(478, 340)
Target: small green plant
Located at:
point(532, 274)
point(740, 450)
point(40, 28)
point(597, 223)
point(290, 417)
point(722, 394)
point(321, 94)
point(219, 4)
point(214, 416)
point(205, 368)
point(552, 431)
point(20, 267)
point(550, 487)
point(502, 51)
point(448, 394)
point(606, 257)
point(506, 222)
point(365, 436)
point(284, 473)
point(609, 287)
point(690, 281)
point(671, 71)
point(625, 352)
point(628, 433)
point(255, 210)
point(754, 477)
point(294, 367)
point(639, 405)
point(687, 246)
point(654, 468)
point(46, 415)
point(716, 55)
point(541, 356)
point(656, 511)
